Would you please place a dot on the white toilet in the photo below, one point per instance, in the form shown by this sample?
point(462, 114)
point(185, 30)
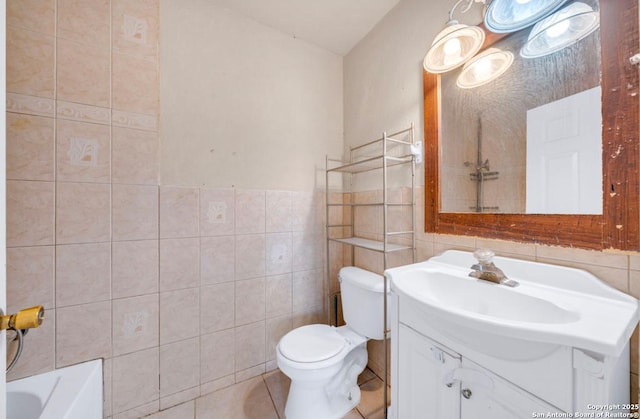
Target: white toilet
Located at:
point(323, 361)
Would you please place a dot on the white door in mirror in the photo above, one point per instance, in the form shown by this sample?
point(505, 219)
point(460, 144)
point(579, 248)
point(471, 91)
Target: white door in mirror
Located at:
point(564, 156)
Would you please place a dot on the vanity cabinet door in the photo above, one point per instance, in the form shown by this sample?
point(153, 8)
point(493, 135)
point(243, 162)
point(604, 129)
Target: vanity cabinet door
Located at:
point(424, 369)
point(485, 395)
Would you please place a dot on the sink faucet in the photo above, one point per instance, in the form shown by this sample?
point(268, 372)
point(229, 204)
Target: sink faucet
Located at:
point(487, 271)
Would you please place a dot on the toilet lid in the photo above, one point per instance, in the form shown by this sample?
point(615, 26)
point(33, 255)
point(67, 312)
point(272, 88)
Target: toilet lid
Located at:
point(312, 343)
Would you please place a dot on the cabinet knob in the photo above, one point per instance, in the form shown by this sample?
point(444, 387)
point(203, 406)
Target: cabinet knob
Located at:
point(466, 393)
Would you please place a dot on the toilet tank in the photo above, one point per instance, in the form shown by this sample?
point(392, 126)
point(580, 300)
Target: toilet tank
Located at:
point(363, 301)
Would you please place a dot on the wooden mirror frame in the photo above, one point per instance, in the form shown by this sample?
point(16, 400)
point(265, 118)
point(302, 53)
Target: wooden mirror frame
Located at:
point(618, 226)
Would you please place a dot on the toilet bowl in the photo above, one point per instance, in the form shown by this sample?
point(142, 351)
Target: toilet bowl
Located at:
point(323, 362)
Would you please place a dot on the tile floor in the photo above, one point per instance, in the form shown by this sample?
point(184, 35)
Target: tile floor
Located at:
point(264, 398)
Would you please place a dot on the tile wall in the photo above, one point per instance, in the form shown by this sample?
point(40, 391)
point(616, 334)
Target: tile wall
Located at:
point(181, 290)
point(198, 304)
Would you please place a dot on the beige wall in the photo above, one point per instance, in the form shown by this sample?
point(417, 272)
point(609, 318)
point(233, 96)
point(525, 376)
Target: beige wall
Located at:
point(383, 91)
point(244, 105)
point(181, 290)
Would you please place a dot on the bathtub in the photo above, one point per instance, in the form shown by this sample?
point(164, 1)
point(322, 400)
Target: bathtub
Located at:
point(73, 392)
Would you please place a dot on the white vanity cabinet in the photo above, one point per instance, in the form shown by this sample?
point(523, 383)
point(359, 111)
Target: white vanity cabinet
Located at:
point(423, 390)
point(463, 348)
point(485, 395)
point(438, 383)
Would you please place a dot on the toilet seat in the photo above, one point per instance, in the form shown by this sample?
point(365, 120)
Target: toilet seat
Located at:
point(312, 343)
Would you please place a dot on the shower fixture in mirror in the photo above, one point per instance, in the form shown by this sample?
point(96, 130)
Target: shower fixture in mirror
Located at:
point(476, 149)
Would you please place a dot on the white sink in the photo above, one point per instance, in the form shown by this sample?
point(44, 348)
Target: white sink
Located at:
point(552, 306)
point(486, 300)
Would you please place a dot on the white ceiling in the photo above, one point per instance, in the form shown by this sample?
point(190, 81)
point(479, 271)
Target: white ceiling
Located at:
point(336, 25)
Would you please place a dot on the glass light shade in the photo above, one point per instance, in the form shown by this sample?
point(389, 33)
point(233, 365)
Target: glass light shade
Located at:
point(486, 66)
point(504, 16)
point(561, 29)
point(453, 46)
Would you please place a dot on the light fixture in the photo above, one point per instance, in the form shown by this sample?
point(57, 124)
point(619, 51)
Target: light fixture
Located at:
point(509, 16)
point(486, 66)
point(561, 29)
point(454, 45)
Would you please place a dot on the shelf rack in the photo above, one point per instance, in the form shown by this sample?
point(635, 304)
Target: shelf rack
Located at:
point(389, 152)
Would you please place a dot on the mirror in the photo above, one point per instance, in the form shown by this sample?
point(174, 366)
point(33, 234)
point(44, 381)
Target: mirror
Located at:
point(520, 143)
point(618, 226)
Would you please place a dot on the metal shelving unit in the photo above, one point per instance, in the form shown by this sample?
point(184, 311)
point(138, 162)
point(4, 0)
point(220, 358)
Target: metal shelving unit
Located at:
point(388, 152)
